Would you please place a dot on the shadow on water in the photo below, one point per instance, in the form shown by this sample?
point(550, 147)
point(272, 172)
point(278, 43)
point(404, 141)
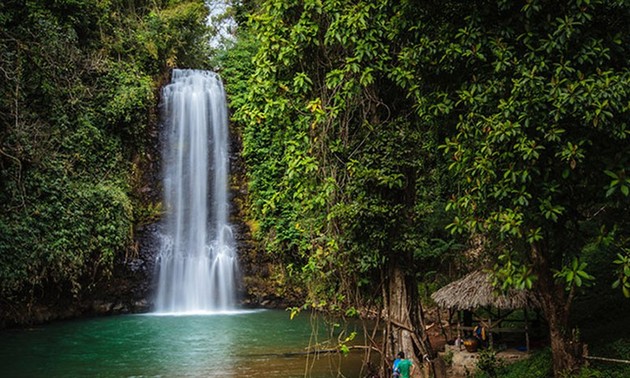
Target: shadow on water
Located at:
point(242, 344)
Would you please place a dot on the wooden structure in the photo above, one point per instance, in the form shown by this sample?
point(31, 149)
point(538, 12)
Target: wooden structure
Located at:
point(475, 291)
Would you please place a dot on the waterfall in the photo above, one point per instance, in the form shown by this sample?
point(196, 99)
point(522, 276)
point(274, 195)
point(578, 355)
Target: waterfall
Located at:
point(197, 262)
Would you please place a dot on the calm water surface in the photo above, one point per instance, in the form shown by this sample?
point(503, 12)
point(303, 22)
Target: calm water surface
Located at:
point(244, 344)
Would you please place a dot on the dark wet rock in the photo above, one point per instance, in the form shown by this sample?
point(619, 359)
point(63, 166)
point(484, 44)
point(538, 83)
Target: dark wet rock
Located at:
point(101, 307)
point(131, 286)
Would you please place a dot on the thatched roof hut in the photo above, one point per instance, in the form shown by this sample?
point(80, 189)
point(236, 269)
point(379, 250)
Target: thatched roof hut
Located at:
point(475, 290)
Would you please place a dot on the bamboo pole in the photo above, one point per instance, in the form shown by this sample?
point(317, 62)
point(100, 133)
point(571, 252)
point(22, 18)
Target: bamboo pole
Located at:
point(607, 359)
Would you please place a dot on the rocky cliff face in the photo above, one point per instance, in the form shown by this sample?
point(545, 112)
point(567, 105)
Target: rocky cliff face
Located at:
point(263, 281)
point(131, 285)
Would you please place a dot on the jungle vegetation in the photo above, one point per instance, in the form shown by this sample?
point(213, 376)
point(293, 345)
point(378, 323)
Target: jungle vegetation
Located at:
point(381, 137)
point(383, 142)
point(79, 84)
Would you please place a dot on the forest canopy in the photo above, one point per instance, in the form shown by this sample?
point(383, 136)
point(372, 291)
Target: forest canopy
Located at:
point(382, 137)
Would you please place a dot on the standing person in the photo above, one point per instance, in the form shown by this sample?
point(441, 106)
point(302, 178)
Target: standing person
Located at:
point(395, 370)
point(404, 367)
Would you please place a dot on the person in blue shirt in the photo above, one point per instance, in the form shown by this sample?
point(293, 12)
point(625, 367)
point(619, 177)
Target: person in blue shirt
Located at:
point(395, 371)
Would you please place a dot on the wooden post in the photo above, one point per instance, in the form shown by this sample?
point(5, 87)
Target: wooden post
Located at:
point(451, 312)
point(490, 338)
point(459, 329)
point(526, 330)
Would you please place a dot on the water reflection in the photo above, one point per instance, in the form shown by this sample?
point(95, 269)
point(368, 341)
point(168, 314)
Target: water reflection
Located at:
point(249, 344)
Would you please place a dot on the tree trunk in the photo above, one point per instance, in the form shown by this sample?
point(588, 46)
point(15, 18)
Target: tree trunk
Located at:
point(405, 327)
point(565, 347)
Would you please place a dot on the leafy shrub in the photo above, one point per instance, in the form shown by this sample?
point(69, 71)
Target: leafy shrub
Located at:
point(538, 365)
point(489, 363)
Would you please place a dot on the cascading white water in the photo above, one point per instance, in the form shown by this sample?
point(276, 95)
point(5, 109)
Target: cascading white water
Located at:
point(197, 263)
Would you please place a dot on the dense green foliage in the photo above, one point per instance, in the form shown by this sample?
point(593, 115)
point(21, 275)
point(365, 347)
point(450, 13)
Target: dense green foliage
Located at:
point(542, 121)
point(348, 101)
point(354, 112)
point(343, 175)
point(78, 101)
point(539, 364)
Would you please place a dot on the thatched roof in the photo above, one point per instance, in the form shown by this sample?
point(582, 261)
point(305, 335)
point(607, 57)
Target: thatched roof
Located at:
point(475, 290)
